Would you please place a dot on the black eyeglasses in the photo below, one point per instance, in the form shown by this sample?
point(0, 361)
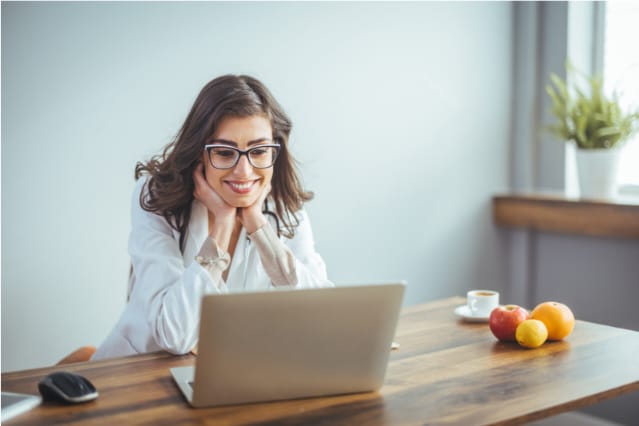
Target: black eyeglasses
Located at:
point(227, 157)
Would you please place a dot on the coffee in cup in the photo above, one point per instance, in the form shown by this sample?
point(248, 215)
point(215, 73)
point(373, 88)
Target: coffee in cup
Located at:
point(482, 302)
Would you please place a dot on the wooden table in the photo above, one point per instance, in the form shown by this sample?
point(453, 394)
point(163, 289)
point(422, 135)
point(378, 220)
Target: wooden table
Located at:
point(446, 372)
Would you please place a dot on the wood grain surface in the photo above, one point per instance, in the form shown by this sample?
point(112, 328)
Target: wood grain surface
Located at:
point(445, 372)
point(559, 214)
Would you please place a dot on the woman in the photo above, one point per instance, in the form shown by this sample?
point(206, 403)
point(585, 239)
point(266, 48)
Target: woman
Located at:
point(202, 223)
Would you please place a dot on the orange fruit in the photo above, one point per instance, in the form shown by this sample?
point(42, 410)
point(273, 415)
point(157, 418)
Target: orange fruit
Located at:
point(557, 317)
point(531, 333)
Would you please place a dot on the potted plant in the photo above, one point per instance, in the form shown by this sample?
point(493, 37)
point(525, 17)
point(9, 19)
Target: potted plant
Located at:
point(597, 125)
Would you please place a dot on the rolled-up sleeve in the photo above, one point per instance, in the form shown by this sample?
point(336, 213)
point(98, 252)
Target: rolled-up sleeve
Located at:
point(168, 291)
point(294, 261)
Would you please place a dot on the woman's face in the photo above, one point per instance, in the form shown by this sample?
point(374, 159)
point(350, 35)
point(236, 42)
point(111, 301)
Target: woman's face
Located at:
point(241, 185)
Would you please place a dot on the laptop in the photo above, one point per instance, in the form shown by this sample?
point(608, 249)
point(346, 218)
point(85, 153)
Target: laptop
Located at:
point(287, 343)
point(14, 404)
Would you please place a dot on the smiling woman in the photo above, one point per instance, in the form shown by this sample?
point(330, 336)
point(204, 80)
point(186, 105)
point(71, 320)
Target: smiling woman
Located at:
point(90, 88)
point(239, 181)
point(200, 219)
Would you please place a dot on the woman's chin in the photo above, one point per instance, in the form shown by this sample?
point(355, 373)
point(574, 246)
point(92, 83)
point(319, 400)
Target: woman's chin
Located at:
point(242, 205)
point(241, 202)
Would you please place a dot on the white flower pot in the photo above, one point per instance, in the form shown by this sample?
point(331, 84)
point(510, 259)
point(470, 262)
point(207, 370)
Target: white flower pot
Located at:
point(597, 170)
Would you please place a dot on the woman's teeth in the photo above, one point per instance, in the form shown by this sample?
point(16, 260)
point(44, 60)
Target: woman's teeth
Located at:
point(241, 186)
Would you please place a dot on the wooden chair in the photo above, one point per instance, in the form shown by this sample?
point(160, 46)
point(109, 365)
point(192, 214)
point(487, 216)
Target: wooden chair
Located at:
point(85, 353)
point(79, 355)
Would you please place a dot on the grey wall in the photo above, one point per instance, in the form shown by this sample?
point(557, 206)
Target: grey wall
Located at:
point(402, 121)
point(597, 277)
point(602, 282)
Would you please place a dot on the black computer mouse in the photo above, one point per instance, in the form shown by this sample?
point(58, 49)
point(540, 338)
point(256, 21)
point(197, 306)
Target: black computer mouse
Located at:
point(66, 387)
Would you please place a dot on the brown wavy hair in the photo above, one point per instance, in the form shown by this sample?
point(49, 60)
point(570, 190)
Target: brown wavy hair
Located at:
point(170, 186)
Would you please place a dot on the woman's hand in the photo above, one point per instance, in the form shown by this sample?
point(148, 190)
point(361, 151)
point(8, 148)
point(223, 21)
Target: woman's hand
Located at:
point(224, 214)
point(252, 217)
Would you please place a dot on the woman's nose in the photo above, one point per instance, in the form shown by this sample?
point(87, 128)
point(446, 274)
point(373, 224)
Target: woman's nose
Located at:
point(243, 167)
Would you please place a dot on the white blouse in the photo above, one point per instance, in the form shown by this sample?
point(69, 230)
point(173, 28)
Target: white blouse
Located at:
point(166, 287)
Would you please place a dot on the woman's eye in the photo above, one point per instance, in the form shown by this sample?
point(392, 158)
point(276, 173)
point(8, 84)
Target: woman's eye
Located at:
point(259, 151)
point(224, 152)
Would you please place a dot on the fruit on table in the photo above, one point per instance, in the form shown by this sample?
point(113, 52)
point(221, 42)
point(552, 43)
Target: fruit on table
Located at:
point(503, 321)
point(531, 333)
point(557, 317)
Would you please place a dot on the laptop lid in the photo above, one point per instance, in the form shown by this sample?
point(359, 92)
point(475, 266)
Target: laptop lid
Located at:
point(284, 343)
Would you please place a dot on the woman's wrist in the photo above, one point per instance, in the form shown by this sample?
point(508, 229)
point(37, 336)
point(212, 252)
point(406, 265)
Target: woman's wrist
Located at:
point(221, 231)
point(253, 222)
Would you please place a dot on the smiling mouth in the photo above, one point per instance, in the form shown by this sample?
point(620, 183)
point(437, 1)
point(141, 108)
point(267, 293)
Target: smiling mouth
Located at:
point(241, 187)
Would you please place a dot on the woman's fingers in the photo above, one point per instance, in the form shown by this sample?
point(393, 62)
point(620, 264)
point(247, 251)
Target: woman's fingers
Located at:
point(204, 193)
point(263, 195)
point(199, 181)
point(252, 217)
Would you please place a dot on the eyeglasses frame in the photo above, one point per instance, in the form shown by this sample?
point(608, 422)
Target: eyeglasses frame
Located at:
point(208, 148)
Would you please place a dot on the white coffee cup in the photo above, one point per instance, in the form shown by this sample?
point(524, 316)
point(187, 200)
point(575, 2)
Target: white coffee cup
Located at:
point(482, 302)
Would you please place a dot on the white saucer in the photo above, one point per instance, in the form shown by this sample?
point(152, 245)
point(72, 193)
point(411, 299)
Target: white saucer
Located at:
point(464, 313)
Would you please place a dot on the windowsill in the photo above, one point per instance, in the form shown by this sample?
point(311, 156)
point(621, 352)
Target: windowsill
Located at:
point(630, 190)
point(558, 213)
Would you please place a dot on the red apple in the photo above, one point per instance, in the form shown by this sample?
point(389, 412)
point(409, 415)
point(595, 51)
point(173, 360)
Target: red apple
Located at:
point(505, 319)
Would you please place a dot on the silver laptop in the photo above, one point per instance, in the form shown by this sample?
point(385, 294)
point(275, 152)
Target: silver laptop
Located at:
point(285, 344)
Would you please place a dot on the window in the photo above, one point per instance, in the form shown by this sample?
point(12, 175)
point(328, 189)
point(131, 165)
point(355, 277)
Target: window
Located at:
point(621, 68)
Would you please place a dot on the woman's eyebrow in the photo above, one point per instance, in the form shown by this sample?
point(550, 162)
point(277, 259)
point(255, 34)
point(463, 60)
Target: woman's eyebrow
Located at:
point(228, 142)
point(260, 140)
point(222, 141)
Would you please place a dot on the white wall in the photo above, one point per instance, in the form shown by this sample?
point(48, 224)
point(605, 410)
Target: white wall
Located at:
point(401, 122)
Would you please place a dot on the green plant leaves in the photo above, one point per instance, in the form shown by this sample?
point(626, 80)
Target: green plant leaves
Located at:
point(592, 119)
